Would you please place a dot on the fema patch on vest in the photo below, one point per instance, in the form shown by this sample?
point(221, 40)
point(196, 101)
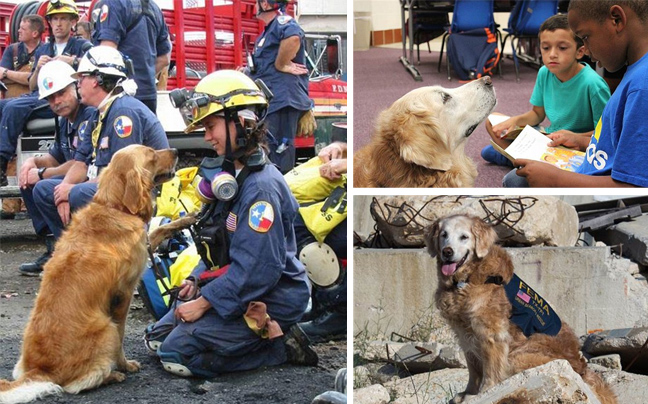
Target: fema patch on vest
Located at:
point(261, 217)
point(123, 126)
point(230, 222)
point(530, 311)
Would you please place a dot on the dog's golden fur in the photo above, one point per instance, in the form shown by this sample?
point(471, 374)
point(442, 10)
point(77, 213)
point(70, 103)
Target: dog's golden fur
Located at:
point(479, 311)
point(73, 340)
point(419, 140)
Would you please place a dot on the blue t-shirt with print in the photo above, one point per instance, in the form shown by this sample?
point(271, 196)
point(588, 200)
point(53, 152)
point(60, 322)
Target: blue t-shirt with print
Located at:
point(620, 139)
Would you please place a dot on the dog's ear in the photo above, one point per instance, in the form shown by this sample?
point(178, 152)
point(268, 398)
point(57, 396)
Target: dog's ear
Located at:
point(485, 237)
point(137, 195)
point(418, 134)
point(431, 237)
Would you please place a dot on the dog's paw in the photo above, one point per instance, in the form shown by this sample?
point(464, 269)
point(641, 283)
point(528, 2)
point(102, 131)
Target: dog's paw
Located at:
point(115, 377)
point(133, 366)
point(461, 397)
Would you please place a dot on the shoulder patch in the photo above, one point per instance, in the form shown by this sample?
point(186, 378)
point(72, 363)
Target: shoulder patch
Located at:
point(104, 13)
point(123, 126)
point(81, 130)
point(261, 216)
point(230, 222)
point(283, 19)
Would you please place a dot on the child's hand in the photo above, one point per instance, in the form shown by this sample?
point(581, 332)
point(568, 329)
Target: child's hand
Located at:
point(501, 129)
point(567, 139)
point(537, 173)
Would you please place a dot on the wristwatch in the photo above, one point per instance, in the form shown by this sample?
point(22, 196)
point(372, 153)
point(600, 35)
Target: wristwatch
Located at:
point(41, 171)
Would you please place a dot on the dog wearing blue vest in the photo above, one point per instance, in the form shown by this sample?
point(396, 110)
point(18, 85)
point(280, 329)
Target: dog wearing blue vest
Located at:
point(503, 325)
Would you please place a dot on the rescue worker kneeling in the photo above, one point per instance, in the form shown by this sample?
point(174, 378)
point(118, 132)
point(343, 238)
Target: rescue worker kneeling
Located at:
point(258, 289)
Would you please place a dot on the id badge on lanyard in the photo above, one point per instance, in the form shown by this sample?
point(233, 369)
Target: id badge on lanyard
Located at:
point(92, 171)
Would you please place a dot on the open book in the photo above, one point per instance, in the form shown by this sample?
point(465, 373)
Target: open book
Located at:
point(533, 145)
point(497, 119)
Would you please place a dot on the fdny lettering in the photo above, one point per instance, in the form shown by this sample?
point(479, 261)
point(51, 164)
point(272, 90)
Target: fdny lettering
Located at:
point(336, 88)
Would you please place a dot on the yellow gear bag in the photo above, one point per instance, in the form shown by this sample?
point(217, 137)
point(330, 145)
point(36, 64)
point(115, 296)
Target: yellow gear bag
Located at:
point(179, 194)
point(307, 185)
point(183, 265)
point(322, 217)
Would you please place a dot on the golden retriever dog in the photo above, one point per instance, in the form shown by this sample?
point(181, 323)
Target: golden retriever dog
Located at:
point(73, 339)
point(419, 140)
point(475, 276)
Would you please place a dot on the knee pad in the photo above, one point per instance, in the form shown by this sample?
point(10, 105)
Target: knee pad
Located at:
point(321, 264)
point(172, 363)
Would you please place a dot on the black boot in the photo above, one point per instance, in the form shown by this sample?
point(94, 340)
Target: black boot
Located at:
point(35, 268)
point(298, 348)
point(3, 172)
point(330, 326)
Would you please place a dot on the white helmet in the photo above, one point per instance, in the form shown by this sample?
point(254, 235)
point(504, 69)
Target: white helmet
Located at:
point(102, 59)
point(54, 76)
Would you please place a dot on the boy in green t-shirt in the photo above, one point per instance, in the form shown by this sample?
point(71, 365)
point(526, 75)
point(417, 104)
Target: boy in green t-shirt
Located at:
point(570, 94)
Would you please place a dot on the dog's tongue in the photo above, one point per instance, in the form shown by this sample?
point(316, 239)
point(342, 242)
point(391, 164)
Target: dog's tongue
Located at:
point(449, 269)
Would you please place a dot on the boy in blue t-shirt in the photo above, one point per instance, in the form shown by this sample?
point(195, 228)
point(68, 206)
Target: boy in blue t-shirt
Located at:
point(615, 33)
point(570, 94)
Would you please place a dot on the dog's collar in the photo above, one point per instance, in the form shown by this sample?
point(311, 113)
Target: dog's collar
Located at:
point(497, 280)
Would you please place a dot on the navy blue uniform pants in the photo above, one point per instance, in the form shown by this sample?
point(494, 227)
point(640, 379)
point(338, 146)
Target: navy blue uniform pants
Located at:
point(213, 345)
point(43, 193)
point(282, 124)
point(38, 221)
point(15, 114)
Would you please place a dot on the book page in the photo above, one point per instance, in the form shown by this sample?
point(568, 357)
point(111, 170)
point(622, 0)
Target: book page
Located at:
point(496, 119)
point(530, 144)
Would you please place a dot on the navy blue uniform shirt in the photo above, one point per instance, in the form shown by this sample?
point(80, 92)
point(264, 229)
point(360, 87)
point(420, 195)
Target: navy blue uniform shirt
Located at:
point(127, 122)
point(140, 36)
point(289, 90)
point(263, 253)
point(70, 134)
point(22, 57)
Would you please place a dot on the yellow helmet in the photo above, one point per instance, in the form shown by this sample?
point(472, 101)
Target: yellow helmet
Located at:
point(220, 90)
point(62, 7)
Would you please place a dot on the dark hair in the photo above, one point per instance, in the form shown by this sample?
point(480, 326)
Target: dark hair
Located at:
point(559, 21)
point(598, 10)
point(85, 25)
point(108, 83)
point(36, 23)
point(256, 138)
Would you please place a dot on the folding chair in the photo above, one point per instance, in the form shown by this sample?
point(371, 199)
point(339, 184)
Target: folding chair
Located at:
point(468, 15)
point(524, 23)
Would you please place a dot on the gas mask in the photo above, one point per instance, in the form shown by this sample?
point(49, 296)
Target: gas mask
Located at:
point(216, 183)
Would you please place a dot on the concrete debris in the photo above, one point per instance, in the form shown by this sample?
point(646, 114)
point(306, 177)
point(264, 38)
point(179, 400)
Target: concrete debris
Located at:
point(612, 361)
point(626, 342)
point(554, 382)
point(330, 397)
point(375, 394)
point(433, 388)
point(632, 237)
point(361, 377)
point(526, 220)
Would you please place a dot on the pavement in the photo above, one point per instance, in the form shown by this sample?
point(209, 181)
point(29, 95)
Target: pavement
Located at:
point(280, 384)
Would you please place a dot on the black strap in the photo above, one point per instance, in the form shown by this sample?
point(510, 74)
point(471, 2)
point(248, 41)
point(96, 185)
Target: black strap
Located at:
point(497, 280)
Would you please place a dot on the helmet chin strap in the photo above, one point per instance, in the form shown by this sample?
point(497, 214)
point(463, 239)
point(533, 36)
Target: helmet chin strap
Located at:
point(230, 155)
point(261, 10)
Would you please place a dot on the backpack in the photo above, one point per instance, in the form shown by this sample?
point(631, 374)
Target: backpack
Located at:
point(473, 53)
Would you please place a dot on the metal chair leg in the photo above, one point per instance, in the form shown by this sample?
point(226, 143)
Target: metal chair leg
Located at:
point(443, 41)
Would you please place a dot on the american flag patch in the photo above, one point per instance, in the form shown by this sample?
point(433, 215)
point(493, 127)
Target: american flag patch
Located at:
point(230, 222)
point(523, 296)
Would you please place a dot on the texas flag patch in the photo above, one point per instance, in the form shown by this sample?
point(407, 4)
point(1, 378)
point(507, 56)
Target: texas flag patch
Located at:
point(104, 13)
point(261, 217)
point(123, 126)
point(48, 83)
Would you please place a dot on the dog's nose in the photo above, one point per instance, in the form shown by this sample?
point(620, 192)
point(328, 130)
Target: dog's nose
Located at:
point(447, 252)
point(487, 80)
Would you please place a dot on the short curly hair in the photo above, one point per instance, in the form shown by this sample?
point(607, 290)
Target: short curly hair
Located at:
point(599, 9)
